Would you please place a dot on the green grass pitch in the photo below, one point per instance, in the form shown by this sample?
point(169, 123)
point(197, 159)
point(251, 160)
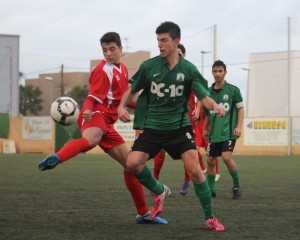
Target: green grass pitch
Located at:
point(85, 198)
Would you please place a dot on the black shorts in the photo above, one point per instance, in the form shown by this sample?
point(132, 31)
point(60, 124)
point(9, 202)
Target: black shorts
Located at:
point(175, 142)
point(216, 149)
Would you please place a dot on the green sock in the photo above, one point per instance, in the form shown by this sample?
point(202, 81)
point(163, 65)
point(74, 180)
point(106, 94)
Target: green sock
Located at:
point(235, 177)
point(203, 192)
point(146, 178)
point(211, 182)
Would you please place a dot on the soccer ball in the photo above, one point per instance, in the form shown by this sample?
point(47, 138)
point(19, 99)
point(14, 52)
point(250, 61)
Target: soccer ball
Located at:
point(65, 111)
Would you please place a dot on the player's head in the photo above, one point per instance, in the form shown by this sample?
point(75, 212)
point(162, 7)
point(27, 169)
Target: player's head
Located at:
point(181, 49)
point(111, 47)
point(219, 63)
point(219, 70)
point(169, 27)
point(168, 37)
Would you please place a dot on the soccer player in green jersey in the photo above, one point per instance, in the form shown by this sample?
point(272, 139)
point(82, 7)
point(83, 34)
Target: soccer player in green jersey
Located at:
point(166, 82)
point(223, 132)
point(194, 114)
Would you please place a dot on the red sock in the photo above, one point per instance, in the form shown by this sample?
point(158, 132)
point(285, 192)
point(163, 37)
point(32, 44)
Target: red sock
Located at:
point(158, 162)
point(137, 193)
point(201, 161)
point(71, 149)
point(186, 176)
point(217, 166)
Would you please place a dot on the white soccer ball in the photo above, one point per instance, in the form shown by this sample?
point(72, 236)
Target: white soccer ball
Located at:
point(65, 111)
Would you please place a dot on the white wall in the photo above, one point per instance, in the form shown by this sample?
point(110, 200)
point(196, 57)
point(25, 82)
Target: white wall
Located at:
point(268, 84)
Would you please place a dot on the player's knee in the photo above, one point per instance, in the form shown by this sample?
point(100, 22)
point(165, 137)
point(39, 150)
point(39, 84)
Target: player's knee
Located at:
point(131, 165)
point(228, 161)
point(211, 162)
point(94, 141)
point(194, 173)
point(226, 158)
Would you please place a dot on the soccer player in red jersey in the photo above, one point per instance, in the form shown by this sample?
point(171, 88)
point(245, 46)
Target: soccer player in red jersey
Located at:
point(108, 82)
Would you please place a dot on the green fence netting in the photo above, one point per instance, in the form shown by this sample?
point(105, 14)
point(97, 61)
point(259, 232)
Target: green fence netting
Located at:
point(4, 125)
point(64, 134)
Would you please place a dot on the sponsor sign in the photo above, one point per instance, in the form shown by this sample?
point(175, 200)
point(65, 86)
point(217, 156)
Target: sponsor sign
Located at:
point(37, 128)
point(126, 130)
point(296, 131)
point(266, 132)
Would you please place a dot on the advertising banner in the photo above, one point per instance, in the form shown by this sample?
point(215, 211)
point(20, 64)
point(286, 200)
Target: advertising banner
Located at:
point(265, 132)
point(37, 128)
point(296, 131)
point(126, 130)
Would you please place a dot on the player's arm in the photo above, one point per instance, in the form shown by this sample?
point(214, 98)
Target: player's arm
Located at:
point(238, 100)
point(87, 108)
point(238, 129)
point(199, 86)
point(98, 78)
point(88, 105)
point(196, 112)
point(210, 104)
point(125, 100)
point(132, 104)
point(206, 124)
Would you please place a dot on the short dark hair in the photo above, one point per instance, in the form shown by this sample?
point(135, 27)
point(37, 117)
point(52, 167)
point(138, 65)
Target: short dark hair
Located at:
point(111, 37)
point(169, 27)
point(219, 63)
point(182, 48)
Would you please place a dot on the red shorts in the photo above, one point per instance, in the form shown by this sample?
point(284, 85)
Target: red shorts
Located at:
point(111, 138)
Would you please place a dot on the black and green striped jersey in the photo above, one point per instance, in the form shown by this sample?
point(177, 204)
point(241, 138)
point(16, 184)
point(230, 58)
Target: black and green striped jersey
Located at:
point(222, 128)
point(163, 103)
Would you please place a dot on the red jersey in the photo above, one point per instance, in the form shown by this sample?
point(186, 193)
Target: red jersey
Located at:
point(192, 106)
point(108, 82)
point(200, 140)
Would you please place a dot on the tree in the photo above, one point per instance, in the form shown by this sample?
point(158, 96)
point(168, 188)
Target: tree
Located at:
point(79, 94)
point(30, 101)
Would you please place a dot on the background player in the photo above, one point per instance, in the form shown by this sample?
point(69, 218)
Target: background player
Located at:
point(223, 132)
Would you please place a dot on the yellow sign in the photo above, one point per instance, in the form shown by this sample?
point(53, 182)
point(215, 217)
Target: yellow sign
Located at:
point(270, 124)
point(265, 132)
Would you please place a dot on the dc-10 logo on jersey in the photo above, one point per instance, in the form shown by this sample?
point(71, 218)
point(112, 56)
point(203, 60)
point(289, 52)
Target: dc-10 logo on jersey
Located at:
point(161, 90)
point(180, 77)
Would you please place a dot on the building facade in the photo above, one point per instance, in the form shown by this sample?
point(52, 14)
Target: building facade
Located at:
point(270, 94)
point(54, 85)
point(9, 74)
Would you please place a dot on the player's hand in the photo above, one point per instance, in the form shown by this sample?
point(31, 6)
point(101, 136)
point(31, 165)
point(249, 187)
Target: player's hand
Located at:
point(205, 133)
point(219, 110)
point(123, 114)
point(237, 132)
point(195, 115)
point(87, 115)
